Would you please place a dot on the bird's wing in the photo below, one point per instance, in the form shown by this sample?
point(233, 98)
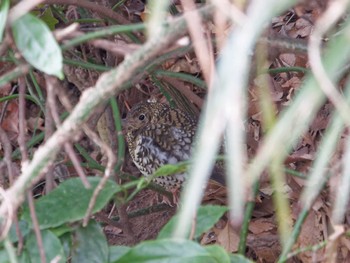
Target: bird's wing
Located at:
point(162, 145)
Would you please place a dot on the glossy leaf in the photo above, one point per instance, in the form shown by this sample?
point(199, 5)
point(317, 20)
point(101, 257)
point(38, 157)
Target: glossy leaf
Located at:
point(69, 202)
point(90, 244)
point(4, 8)
point(207, 216)
point(37, 45)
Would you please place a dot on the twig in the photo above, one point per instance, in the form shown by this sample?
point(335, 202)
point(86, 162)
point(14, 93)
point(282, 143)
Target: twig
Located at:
point(108, 171)
point(6, 144)
point(204, 55)
point(9, 211)
point(24, 154)
point(120, 49)
point(101, 10)
point(49, 130)
point(335, 10)
point(5, 44)
point(76, 163)
point(14, 73)
point(108, 85)
point(308, 248)
point(179, 85)
point(7, 159)
point(22, 121)
point(22, 8)
point(112, 113)
point(51, 84)
point(36, 226)
point(193, 228)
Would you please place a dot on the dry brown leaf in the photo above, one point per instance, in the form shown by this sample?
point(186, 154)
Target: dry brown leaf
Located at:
point(228, 238)
point(311, 234)
point(291, 84)
point(35, 123)
point(288, 59)
point(10, 121)
point(183, 65)
point(261, 225)
point(304, 28)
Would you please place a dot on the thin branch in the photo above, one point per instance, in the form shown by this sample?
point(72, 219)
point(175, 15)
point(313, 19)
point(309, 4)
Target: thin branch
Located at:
point(108, 85)
point(49, 130)
point(51, 84)
point(36, 226)
point(108, 171)
point(7, 215)
point(179, 85)
point(204, 55)
point(101, 10)
point(24, 154)
point(14, 73)
point(335, 10)
point(7, 159)
point(22, 8)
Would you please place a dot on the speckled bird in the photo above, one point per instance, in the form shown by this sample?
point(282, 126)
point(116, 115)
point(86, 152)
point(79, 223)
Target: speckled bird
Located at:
point(156, 135)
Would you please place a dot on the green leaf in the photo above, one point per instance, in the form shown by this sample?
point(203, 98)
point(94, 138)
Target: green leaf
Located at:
point(167, 250)
point(4, 258)
point(207, 216)
point(219, 253)
point(52, 247)
point(47, 17)
point(90, 245)
point(24, 229)
point(66, 241)
point(4, 8)
point(37, 45)
point(62, 230)
point(69, 202)
point(169, 169)
point(116, 252)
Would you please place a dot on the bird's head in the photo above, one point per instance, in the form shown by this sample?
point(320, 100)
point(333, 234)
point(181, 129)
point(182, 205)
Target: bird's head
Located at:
point(140, 116)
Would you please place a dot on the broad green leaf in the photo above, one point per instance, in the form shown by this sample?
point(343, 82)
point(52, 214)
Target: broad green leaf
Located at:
point(23, 227)
point(66, 241)
point(4, 8)
point(4, 258)
point(37, 45)
point(52, 246)
point(23, 258)
point(116, 252)
point(219, 253)
point(90, 245)
point(207, 216)
point(69, 202)
point(167, 250)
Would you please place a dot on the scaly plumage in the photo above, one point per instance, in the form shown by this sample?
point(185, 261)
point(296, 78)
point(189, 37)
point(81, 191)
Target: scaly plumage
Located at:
point(156, 135)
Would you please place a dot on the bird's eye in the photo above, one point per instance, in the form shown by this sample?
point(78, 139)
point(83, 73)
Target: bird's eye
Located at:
point(141, 117)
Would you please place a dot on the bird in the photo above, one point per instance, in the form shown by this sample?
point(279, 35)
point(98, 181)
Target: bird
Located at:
point(158, 134)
